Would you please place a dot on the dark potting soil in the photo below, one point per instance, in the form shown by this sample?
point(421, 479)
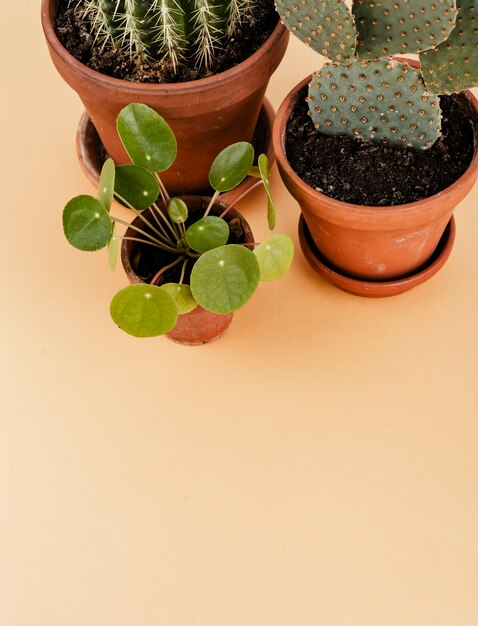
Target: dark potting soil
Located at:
point(358, 172)
point(73, 32)
point(148, 260)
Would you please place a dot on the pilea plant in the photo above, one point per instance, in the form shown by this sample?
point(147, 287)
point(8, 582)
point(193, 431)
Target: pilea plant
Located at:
point(223, 276)
point(363, 92)
point(176, 30)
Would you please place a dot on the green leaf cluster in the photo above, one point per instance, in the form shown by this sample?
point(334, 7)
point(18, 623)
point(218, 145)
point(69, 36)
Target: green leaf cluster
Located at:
point(223, 276)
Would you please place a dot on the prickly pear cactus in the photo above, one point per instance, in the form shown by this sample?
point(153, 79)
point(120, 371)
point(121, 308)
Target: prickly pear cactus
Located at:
point(453, 65)
point(380, 100)
point(326, 26)
point(177, 30)
point(387, 27)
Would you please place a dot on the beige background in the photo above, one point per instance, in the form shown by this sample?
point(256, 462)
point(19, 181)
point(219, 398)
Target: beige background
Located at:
point(318, 465)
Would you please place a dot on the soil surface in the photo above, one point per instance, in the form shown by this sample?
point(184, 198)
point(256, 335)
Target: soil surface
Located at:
point(355, 171)
point(74, 33)
point(148, 260)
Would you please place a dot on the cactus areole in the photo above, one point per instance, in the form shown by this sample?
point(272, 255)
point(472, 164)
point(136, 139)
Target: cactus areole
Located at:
point(160, 38)
point(362, 92)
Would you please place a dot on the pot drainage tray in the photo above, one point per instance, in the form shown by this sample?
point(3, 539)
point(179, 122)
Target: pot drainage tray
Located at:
point(376, 289)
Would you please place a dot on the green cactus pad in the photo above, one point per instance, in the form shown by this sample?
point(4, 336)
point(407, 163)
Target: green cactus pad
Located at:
point(378, 101)
point(327, 26)
point(387, 27)
point(453, 65)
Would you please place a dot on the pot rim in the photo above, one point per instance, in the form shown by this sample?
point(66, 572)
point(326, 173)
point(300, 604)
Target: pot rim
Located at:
point(48, 9)
point(127, 246)
point(87, 139)
point(338, 207)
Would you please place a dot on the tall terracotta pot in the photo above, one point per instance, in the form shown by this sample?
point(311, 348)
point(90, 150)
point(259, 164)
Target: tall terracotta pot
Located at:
point(206, 115)
point(367, 242)
point(199, 326)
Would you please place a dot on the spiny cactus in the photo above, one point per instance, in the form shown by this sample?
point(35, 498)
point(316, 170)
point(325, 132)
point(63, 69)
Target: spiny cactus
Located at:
point(379, 99)
point(326, 26)
point(451, 66)
point(389, 27)
point(175, 30)
point(366, 96)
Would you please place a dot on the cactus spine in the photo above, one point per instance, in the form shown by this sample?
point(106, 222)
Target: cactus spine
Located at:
point(363, 92)
point(238, 11)
point(175, 30)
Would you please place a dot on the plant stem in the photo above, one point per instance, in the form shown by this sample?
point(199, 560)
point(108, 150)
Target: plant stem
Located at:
point(163, 235)
point(148, 243)
point(241, 197)
point(211, 203)
point(163, 197)
point(157, 242)
point(183, 271)
point(163, 191)
point(165, 269)
point(166, 221)
point(154, 213)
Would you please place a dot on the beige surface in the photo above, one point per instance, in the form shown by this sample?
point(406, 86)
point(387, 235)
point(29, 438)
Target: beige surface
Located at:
point(318, 465)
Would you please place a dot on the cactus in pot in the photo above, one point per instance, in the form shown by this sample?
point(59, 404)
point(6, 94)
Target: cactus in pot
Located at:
point(363, 92)
point(192, 31)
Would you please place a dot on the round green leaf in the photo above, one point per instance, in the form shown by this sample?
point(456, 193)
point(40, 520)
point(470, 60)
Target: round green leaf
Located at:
point(207, 233)
point(275, 256)
point(137, 186)
point(144, 310)
point(147, 137)
point(178, 211)
point(182, 296)
point(106, 184)
point(231, 166)
point(263, 163)
point(86, 223)
point(223, 279)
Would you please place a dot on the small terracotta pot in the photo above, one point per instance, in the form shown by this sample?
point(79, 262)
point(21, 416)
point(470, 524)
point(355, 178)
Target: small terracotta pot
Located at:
point(206, 115)
point(199, 326)
point(366, 242)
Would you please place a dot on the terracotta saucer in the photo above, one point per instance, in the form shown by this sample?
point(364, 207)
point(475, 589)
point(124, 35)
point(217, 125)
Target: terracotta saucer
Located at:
point(376, 289)
point(92, 154)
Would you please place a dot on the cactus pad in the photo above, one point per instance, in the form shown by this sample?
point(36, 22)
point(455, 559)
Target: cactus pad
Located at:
point(378, 101)
point(387, 27)
point(453, 65)
point(327, 26)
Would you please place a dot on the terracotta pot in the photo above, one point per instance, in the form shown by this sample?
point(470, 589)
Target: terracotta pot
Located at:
point(376, 288)
point(367, 242)
point(206, 115)
point(199, 326)
point(91, 153)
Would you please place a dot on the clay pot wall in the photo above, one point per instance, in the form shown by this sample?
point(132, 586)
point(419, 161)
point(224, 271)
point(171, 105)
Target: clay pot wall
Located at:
point(206, 115)
point(199, 326)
